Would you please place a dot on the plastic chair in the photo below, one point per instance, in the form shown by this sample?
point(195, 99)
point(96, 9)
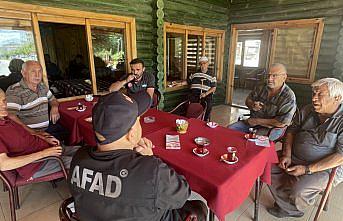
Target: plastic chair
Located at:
point(156, 99)
point(190, 110)
point(12, 181)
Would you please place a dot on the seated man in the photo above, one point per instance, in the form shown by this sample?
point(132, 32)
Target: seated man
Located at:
point(314, 145)
point(271, 105)
point(203, 84)
point(15, 75)
point(19, 148)
point(137, 81)
point(28, 102)
point(120, 179)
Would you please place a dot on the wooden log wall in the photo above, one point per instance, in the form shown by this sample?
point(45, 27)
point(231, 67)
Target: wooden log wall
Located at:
point(330, 61)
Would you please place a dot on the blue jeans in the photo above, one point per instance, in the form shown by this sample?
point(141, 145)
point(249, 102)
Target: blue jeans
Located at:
point(240, 126)
point(272, 133)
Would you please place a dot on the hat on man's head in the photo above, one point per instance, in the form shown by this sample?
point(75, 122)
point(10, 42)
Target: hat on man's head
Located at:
point(115, 114)
point(203, 59)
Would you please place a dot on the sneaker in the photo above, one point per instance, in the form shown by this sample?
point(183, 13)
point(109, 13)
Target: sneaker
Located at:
point(280, 213)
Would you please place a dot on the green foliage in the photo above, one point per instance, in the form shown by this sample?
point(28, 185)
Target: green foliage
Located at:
point(25, 49)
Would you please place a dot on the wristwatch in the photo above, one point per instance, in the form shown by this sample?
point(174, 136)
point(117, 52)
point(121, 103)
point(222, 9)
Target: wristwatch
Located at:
point(307, 170)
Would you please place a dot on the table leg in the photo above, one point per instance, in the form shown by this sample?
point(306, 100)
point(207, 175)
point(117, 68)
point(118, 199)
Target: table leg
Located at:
point(257, 198)
point(211, 216)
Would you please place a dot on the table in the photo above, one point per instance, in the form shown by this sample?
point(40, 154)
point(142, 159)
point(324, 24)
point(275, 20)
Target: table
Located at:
point(224, 186)
point(69, 118)
point(162, 120)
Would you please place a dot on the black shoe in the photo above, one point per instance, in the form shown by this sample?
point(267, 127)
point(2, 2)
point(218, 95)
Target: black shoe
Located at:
point(280, 213)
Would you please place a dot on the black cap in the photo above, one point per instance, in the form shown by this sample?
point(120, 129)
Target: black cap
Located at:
point(116, 113)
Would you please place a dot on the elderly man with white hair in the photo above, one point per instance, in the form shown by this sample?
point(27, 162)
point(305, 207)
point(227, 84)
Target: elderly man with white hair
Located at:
point(314, 145)
point(203, 84)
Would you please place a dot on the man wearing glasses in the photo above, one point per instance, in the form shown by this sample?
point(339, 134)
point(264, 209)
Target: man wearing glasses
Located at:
point(137, 80)
point(271, 105)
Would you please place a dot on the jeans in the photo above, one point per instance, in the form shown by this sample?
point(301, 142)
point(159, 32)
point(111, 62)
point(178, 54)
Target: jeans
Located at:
point(272, 133)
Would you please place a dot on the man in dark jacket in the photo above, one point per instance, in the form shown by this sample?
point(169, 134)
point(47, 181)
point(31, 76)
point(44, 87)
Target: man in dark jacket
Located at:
point(121, 179)
point(15, 75)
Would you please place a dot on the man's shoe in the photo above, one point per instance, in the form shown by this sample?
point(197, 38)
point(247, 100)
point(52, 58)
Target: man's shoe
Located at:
point(280, 213)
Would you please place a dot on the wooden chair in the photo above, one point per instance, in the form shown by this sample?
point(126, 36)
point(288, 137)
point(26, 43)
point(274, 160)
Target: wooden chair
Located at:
point(324, 202)
point(12, 181)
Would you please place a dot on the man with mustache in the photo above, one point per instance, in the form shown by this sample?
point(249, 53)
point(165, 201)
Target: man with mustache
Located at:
point(29, 100)
point(271, 105)
point(19, 148)
point(314, 145)
point(137, 81)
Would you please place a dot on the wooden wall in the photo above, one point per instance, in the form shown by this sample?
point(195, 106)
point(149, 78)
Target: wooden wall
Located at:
point(330, 61)
point(205, 13)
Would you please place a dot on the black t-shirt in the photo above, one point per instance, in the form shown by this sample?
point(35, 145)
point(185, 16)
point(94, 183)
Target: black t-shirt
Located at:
point(147, 81)
point(124, 185)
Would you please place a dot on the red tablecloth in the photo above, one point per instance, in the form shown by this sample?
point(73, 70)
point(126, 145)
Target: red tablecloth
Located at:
point(162, 120)
point(224, 186)
point(69, 118)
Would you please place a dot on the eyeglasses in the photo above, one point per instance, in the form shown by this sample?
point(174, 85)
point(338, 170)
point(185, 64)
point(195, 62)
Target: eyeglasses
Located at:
point(274, 75)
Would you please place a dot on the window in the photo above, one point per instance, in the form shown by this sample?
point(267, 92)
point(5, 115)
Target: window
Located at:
point(294, 43)
point(294, 49)
point(175, 57)
point(251, 53)
point(109, 55)
point(16, 46)
point(238, 59)
point(194, 49)
point(80, 52)
point(184, 45)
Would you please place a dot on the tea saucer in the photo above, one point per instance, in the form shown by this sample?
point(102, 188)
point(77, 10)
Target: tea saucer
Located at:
point(81, 110)
point(212, 124)
point(246, 136)
point(201, 154)
point(225, 159)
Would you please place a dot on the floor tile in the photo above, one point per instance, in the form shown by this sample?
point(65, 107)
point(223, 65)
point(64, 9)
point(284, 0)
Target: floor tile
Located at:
point(49, 213)
point(63, 190)
point(32, 198)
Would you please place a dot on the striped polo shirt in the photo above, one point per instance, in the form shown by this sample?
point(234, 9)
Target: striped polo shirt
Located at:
point(202, 81)
point(30, 107)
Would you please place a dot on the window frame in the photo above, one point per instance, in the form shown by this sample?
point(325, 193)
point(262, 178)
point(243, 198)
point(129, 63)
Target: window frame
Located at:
point(317, 23)
point(36, 14)
point(194, 30)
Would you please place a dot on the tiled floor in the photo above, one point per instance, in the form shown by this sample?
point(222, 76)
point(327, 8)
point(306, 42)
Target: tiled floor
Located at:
point(40, 202)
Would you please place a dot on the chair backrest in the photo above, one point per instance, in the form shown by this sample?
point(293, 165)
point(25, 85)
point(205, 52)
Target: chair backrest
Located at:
point(156, 99)
point(195, 110)
point(65, 211)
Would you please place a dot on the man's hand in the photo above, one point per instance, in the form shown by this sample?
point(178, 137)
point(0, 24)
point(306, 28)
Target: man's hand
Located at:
point(252, 122)
point(51, 140)
point(54, 115)
point(144, 147)
point(297, 170)
point(203, 95)
point(257, 105)
point(285, 162)
point(130, 78)
point(52, 151)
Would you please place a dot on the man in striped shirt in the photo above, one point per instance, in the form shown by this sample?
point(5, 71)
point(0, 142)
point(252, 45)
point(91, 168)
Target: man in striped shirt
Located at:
point(203, 85)
point(28, 101)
